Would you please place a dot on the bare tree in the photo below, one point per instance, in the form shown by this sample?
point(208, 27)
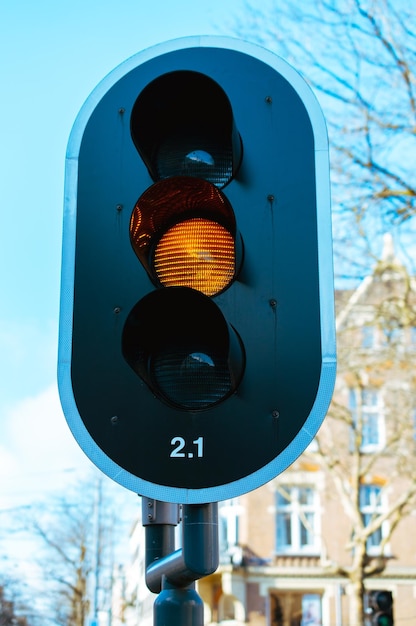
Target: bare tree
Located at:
point(66, 558)
point(360, 58)
point(76, 534)
point(12, 613)
point(369, 438)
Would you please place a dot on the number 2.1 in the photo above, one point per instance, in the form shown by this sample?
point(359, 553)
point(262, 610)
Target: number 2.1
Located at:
point(180, 443)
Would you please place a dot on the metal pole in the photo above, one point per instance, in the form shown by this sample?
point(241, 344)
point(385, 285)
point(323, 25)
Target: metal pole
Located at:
point(172, 574)
point(159, 520)
point(178, 606)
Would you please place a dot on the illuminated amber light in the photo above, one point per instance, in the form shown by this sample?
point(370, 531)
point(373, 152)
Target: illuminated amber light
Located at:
point(197, 253)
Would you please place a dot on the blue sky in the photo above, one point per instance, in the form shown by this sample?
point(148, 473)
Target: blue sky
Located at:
point(52, 55)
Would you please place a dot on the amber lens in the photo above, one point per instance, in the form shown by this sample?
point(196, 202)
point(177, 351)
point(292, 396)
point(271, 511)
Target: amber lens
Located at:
point(197, 253)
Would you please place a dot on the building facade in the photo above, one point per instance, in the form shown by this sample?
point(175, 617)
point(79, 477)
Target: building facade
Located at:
point(309, 546)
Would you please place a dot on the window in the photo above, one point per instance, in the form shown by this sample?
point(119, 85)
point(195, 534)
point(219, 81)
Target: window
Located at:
point(389, 334)
point(414, 424)
point(368, 335)
point(413, 337)
point(297, 520)
point(297, 608)
point(371, 506)
point(367, 413)
point(392, 336)
point(228, 514)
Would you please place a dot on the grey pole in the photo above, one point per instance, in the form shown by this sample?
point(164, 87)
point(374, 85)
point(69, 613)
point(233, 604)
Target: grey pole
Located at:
point(172, 573)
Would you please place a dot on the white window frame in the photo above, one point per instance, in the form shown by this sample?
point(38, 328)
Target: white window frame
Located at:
point(301, 517)
point(376, 506)
point(368, 337)
point(229, 512)
point(371, 415)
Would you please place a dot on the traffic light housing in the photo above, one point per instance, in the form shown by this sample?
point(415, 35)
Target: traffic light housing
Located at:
point(197, 342)
point(381, 606)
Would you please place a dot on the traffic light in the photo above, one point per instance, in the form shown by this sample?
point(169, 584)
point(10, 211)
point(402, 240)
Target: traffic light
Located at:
point(197, 349)
point(381, 605)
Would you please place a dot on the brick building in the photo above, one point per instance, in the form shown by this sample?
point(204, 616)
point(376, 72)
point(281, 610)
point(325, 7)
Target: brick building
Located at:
point(296, 551)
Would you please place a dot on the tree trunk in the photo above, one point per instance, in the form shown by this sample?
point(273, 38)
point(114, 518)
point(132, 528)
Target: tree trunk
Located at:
point(357, 576)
